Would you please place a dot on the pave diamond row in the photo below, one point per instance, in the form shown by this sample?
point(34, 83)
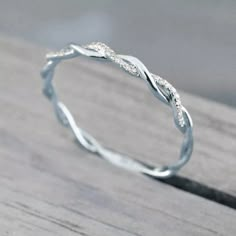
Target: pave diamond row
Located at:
point(107, 52)
point(174, 97)
point(60, 54)
point(110, 54)
point(132, 69)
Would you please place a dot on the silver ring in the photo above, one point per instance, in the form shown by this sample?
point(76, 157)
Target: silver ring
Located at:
point(162, 89)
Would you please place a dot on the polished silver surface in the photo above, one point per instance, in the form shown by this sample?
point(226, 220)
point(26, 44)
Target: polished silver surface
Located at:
point(161, 89)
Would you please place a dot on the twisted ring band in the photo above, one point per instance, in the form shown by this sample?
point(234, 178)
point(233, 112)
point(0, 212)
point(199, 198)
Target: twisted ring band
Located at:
point(162, 89)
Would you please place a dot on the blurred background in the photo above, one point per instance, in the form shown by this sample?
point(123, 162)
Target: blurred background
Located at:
point(190, 43)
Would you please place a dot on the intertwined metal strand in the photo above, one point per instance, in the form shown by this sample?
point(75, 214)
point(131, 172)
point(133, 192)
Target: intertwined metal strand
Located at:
point(160, 88)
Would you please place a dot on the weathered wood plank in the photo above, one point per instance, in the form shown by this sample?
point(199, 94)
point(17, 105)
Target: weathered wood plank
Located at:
point(50, 186)
point(120, 111)
point(59, 195)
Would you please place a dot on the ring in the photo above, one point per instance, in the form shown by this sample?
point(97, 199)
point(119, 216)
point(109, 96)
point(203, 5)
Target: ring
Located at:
point(161, 89)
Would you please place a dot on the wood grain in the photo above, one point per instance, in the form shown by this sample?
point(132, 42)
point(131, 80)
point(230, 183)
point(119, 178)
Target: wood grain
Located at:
point(120, 111)
point(49, 186)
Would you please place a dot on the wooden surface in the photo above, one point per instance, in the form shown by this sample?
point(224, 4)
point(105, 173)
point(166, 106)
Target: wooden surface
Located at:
point(50, 186)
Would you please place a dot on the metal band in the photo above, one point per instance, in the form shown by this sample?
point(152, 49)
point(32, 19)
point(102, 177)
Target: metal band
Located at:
point(159, 87)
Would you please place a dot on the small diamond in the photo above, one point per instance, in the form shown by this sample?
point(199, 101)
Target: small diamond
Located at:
point(173, 91)
point(168, 87)
point(112, 57)
point(134, 69)
point(162, 82)
point(125, 66)
point(109, 53)
point(177, 97)
point(118, 60)
point(178, 105)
